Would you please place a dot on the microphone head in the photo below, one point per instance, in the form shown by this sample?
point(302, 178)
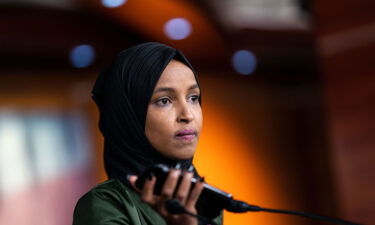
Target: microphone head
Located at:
point(173, 206)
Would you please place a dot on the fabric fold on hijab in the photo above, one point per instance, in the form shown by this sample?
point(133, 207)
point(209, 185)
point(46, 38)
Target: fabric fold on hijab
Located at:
point(122, 94)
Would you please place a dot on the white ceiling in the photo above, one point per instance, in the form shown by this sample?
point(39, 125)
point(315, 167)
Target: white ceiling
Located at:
point(260, 14)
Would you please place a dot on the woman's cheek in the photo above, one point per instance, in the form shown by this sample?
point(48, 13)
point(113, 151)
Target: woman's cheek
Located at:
point(198, 118)
point(163, 125)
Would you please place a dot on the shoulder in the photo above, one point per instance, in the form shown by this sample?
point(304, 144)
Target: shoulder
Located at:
point(103, 204)
point(109, 191)
point(219, 219)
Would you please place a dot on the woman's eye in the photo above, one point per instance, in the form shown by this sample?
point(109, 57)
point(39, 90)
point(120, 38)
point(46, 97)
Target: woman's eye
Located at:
point(163, 101)
point(194, 98)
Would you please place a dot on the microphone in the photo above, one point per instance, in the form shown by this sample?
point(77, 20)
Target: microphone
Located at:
point(214, 200)
point(173, 206)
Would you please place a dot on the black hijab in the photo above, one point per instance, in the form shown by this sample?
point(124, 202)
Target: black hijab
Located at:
point(122, 93)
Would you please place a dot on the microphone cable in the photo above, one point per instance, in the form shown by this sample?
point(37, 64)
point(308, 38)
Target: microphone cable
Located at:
point(241, 207)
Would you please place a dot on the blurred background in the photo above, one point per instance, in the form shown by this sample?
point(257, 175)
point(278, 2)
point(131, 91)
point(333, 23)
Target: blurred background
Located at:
point(288, 100)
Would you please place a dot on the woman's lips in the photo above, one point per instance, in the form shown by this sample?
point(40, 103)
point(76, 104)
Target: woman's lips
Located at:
point(186, 135)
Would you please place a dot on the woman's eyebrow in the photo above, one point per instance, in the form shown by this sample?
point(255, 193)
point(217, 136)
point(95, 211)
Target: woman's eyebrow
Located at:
point(161, 89)
point(169, 89)
point(194, 86)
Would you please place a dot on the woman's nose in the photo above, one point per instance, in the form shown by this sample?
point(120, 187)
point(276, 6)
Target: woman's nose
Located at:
point(185, 114)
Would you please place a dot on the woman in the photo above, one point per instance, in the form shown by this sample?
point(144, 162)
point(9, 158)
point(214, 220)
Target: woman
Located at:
point(150, 113)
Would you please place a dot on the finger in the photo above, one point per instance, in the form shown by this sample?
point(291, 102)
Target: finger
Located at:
point(147, 193)
point(194, 195)
point(184, 188)
point(132, 179)
point(170, 183)
point(169, 187)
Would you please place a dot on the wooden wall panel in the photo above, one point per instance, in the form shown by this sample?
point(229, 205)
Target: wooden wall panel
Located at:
point(346, 41)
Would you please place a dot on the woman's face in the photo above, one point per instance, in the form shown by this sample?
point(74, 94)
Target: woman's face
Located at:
point(174, 115)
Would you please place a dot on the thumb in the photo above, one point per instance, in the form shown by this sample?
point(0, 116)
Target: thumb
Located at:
point(132, 179)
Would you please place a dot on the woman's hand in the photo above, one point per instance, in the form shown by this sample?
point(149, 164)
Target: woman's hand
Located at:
point(186, 197)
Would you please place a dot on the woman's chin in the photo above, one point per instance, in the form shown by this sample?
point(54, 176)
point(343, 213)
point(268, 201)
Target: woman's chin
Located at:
point(182, 155)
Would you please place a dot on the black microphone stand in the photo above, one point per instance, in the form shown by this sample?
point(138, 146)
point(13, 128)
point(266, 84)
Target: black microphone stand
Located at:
point(174, 207)
point(240, 207)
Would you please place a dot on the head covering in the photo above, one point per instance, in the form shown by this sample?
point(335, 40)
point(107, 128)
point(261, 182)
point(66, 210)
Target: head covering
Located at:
point(122, 93)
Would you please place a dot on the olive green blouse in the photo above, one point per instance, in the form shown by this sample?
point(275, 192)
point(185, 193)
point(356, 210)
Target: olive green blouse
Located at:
point(113, 203)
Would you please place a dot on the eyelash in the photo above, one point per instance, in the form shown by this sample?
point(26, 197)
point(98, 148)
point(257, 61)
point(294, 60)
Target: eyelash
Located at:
point(196, 97)
point(159, 102)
